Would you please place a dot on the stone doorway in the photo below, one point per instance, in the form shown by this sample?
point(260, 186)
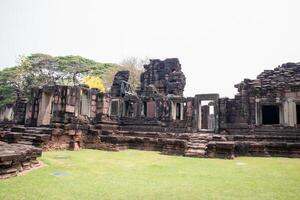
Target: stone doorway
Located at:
point(298, 113)
point(207, 109)
point(270, 114)
point(207, 115)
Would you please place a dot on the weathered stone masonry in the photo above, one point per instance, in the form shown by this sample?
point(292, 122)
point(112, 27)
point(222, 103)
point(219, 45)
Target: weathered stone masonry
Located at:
point(262, 120)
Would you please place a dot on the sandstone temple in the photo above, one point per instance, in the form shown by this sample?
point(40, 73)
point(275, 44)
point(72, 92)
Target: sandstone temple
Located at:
point(263, 119)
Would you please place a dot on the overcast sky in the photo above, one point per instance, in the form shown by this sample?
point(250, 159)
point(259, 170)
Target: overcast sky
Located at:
point(218, 42)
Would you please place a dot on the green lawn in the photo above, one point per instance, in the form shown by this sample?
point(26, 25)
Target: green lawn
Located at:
point(131, 174)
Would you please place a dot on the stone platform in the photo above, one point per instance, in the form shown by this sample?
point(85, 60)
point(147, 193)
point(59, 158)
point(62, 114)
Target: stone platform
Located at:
point(16, 158)
point(262, 142)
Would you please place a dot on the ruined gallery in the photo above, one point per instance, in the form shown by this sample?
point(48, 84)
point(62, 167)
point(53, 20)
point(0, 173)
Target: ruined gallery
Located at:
point(261, 120)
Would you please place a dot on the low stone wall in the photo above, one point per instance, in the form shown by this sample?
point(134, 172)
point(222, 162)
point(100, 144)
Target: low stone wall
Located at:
point(66, 139)
point(164, 142)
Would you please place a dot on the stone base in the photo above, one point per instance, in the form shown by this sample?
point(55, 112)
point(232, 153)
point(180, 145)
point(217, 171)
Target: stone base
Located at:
point(16, 158)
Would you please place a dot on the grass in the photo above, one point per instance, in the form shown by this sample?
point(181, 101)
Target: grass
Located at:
point(131, 174)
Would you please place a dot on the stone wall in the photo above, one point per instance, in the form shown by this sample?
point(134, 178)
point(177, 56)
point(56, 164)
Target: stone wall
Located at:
point(120, 84)
point(279, 88)
point(7, 113)
point(163, 77)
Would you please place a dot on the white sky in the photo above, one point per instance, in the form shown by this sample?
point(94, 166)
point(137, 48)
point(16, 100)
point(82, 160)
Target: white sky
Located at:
point(218, 42)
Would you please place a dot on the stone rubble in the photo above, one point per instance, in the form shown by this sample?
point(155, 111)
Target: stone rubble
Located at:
point(16, 158)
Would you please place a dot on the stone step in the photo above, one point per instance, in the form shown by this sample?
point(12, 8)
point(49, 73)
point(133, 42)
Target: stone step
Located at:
point(36, 130)
point(267, 131)
point(10, 137)
point(258, 138)
point(25, 142)
point(200, 138)
point(24, 137)
point(198, 141)
point(143, 128)
point(38, 136)
point(19, 129)
point(195, 153)
point(197, 146)
point(33, 131)
point(106, 126)
point(94, 131)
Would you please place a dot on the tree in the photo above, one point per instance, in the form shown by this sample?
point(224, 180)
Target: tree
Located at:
point(133, 64)
point(40, 69)
point(94, 82)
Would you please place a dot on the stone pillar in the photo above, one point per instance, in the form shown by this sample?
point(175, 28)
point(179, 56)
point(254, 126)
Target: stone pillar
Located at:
point(181, 111)
point(44, 116)
point(289, 113)
point(258, 120)
point(173, 110)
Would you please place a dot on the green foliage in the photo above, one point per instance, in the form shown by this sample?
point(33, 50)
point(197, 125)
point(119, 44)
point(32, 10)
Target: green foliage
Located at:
point(131, 174)
point(7, 95)
point(9, 84)
point(40, 69)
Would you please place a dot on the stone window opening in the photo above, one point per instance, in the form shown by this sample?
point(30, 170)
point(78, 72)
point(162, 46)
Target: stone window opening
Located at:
point(270, 114)
point(127, 105)
point(178, 111)
point(144, 109)
point(128, 109)
point(114, 107)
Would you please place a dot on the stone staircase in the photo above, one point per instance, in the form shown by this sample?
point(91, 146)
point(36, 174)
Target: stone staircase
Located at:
point(197, 145)
point(35, 136)
point(209, 145)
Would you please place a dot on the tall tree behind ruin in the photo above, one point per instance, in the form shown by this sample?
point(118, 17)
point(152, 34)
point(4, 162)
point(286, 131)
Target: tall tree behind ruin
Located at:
point(133, 64)
point(40, 69)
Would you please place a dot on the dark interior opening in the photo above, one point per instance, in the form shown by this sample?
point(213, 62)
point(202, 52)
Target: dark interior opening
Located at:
point(145, 108)
point(298, 113)
point(178, 111)
point(204, 116)
point(114, 108)
point(270, 114)
point(127, 108)
point(52, 105)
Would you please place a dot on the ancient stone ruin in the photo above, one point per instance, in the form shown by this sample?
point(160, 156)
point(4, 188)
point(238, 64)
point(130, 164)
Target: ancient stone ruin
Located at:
point(15, 158)
point(262, 120)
